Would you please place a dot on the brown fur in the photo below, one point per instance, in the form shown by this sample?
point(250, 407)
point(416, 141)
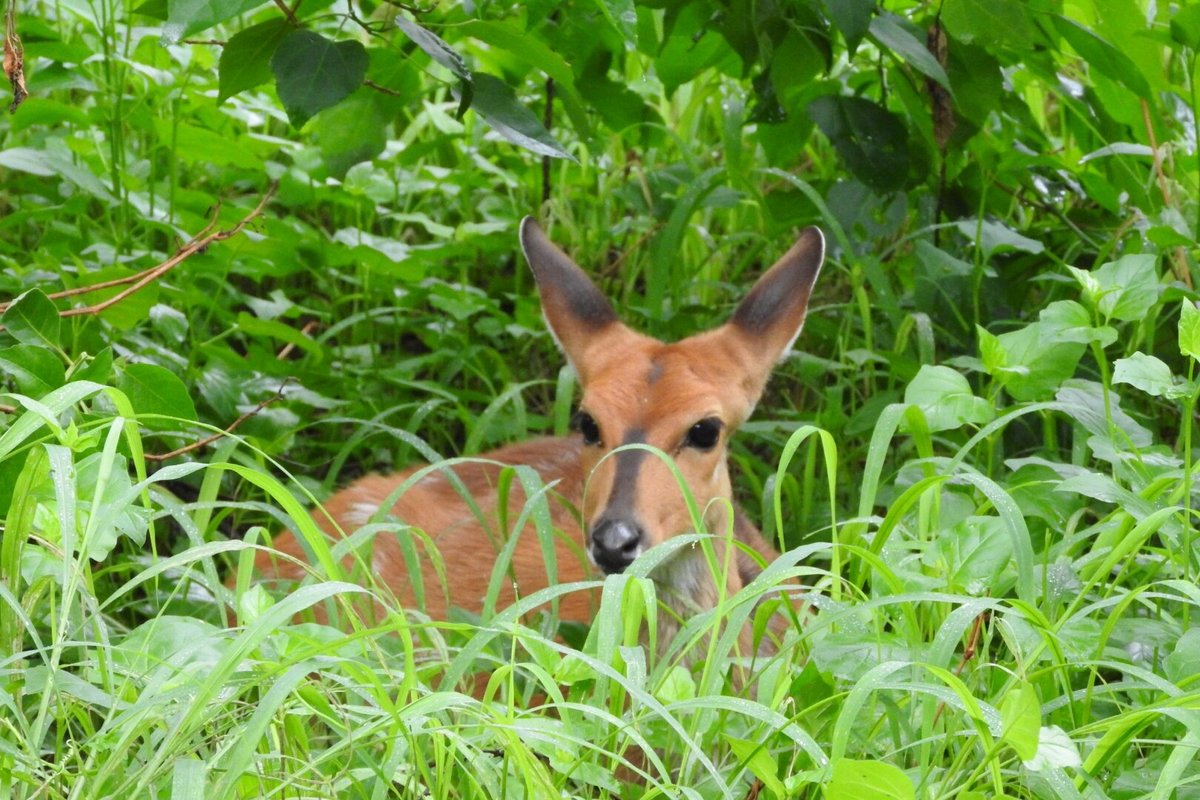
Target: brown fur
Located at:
point(633, 386)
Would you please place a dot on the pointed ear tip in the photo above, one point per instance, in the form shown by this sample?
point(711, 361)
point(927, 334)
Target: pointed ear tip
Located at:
point(528, 226)
point(814, 237)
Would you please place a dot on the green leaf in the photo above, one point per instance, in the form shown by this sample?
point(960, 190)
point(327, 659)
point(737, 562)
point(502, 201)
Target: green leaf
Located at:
point(868, 780)
point(946, 399)
point(852, 18)
point(98, 368)
point(889, 30)
point(1032, 362)
point(496, 102)
point(1189, 329)
point(1149, 374)
point(994, 237)
point(524, 46)
point(988, 22)
point(1102, 56)
point(1185, 26)
point(1124, 289)
point(1020, 719)
point(1070, 322)
point(870, 139)
point(246, 57)
point(622, 15)
point(435, 47)
point(1184, 661)
point(35, 370)
point(1055, 751)
point(155, 390)
point(313, 73)
point(758, 760)
point(185, 17)
point(278, 330)
point(32, 319)
point(349, 133)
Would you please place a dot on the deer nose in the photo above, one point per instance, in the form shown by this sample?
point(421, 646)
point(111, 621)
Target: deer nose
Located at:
point(615, 544)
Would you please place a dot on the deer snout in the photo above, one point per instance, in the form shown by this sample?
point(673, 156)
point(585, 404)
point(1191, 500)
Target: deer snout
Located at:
point(615, 544)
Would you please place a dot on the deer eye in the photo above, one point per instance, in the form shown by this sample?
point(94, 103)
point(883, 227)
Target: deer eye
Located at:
point(704, 434)
point(586, 425)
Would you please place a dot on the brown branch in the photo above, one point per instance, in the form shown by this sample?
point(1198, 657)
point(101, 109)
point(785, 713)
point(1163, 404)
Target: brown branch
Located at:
point(370, 84)
point(14, 58)
point(287, 12)
point(8, 409)
point(1178, 258)
point(139, 281)
point(215, 42)
point(308, 328)
point(232, 427)
point(968, 653)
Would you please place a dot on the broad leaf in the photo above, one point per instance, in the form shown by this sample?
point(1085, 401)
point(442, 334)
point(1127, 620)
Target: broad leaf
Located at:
point(870, 139)
point(350, 132)
point(852, 18)
point(1102, 56)
point(313, 73)
point(988, 22)
point(868, 780)
point(1021, 718)
point(1055, 751)
point(1030, 362)
point(155, 390)
point(35, 370)
point(1069, 321)
point(246, 57)
point(946, 399)
point(33, 319)
point(1149, 374)
point(186, 17)
point(760, 762)
point(1189, 329)
point(435, 47)
point(994, 237)
point(496, 102)
point(1124, 289)
point(889, 30)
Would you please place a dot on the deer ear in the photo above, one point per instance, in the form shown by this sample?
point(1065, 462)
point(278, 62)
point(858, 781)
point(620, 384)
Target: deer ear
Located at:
point(770, 317)
point(576, 311)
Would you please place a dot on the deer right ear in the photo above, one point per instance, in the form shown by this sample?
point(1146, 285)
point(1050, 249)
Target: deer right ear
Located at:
point(575, 310)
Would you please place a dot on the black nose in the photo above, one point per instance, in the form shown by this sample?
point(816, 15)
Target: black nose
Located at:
point(615, 544)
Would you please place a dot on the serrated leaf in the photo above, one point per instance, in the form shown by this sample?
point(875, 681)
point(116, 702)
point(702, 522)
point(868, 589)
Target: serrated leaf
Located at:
point(185, 17)
point(496, 102)
point(313, 73)
point(946, 399)
point(888, 30)
point(156, 390)
point(32, 319)
point(1020, 719)
point(246, 57)
point(759, 761)
point(868, 780)
point(1189, 329)
point(1149, 374)
point(35, 370)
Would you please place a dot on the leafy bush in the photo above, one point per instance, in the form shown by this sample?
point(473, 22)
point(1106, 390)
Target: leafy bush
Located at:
point(296, 240)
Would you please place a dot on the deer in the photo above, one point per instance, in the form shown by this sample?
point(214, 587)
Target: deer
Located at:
point(685, 398)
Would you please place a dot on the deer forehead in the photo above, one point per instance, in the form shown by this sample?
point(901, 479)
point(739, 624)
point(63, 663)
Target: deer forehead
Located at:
point(664, 390)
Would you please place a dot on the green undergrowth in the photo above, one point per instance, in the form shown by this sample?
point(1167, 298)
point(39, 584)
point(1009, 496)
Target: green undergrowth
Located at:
point(979, 464)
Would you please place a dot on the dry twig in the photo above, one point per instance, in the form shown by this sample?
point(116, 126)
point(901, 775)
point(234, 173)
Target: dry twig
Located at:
point(14, 58)
point(308, 328)
point(197, 243)
point(232, 427)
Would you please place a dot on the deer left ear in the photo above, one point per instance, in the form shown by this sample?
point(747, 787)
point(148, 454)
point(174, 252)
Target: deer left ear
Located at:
point(770, 317)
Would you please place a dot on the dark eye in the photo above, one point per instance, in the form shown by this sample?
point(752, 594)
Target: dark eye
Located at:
point(704, 434)
point(586, 424)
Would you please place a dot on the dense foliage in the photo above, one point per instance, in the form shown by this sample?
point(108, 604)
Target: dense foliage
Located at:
point(980, 459)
